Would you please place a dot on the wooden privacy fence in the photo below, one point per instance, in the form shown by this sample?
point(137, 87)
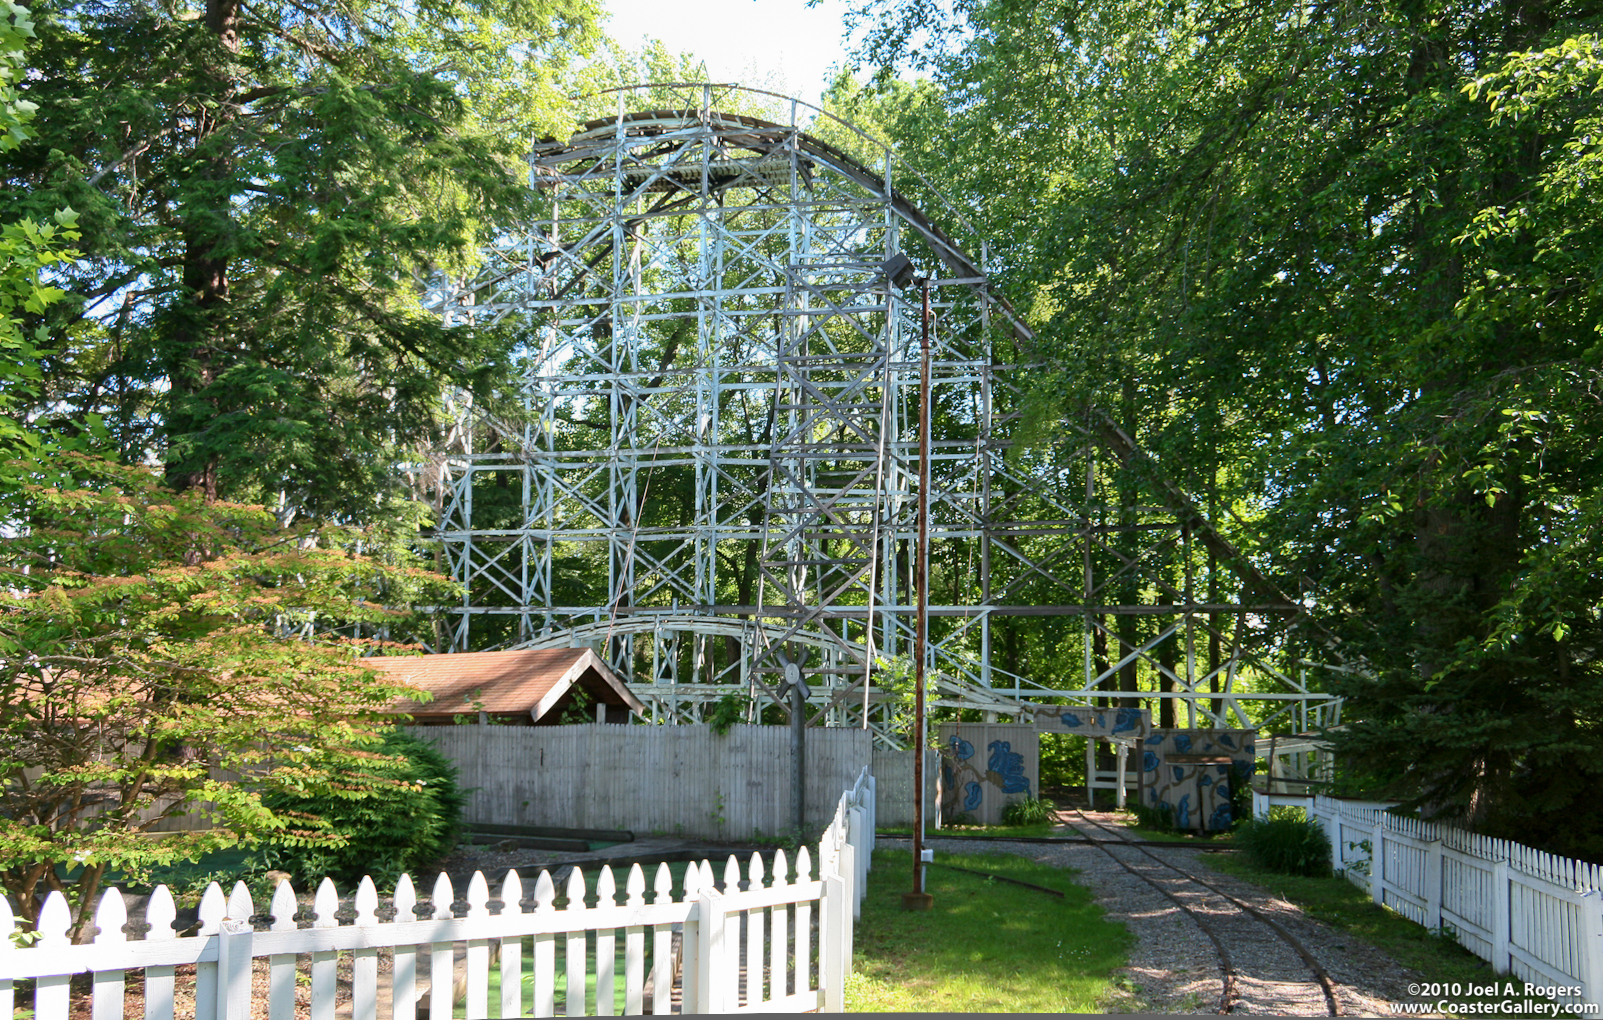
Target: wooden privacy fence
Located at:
point(1532, 914)
point(680, 780)
point(745, 948)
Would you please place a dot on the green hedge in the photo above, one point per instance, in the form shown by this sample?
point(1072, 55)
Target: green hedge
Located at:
point(406, 818)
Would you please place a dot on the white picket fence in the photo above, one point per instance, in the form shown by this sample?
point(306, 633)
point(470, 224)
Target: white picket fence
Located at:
point(1532, 914)
point(740, 950)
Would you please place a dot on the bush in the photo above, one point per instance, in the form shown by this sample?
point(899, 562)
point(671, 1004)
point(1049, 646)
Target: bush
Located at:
point(1153, 819)
point(406, 817)
point(1285, 845)
point(1029, 811)
point(1062, 760)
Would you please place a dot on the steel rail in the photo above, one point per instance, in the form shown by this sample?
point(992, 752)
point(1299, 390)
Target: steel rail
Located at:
point(1327, 986)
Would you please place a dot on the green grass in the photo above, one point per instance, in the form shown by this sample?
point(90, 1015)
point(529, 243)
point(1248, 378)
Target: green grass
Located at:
point(1339, 903)
point(987, 946)
point(561, 995)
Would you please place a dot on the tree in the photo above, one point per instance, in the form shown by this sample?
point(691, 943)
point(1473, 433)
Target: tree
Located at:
point(28, 249)
point(137, 677)
point(1335, 263)
point(267, 192)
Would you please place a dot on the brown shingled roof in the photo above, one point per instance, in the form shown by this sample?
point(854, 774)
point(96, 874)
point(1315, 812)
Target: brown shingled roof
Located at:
point(531, 680)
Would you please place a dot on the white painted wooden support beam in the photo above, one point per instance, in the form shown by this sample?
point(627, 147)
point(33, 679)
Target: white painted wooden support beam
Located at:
point(1502, 887)
point(234, 969)
point(1592, 949)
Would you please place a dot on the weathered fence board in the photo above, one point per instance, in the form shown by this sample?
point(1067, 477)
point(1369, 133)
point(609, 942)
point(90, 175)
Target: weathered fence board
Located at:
point(675, 780)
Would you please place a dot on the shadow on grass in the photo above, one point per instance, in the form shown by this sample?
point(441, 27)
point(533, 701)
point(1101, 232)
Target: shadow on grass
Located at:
point(987, 946)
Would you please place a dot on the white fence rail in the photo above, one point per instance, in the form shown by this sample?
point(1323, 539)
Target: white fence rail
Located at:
point(1532, 914)
point(745, 948)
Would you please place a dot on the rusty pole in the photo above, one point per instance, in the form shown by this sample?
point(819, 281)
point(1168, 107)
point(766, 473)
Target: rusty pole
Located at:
point(919, 900)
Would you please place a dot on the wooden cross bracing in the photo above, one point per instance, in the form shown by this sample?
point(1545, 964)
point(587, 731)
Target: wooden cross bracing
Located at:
point(715, 469)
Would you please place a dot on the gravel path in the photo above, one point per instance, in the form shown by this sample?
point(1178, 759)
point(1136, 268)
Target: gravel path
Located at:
point(1174, 967)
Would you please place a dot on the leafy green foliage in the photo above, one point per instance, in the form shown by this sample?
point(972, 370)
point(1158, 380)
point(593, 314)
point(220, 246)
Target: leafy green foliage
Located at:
point(1346, 292)
point(269, 199)
point(728, 710)
point(1158, 819)
point(1062, 760)
point(1029, 811)
point(153, 651)
point(399, 811)
point(1286, 846)
point(28, 249)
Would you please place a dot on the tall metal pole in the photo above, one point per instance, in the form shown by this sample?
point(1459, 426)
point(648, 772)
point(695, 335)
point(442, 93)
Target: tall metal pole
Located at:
point(921, 573)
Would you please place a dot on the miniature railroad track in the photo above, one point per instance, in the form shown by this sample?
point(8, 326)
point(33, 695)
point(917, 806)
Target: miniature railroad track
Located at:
point(1222, 928)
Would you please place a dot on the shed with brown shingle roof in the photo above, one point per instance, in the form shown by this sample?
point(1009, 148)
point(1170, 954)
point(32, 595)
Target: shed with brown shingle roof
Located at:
point(531, 686)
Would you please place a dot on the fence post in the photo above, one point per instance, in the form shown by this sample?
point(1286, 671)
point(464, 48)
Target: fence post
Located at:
point(1377, 861)
point(873, 818)
point(712, 959)
point(1592, 948)
point(853, 865)
point(1433, 884)
point(233, 970)
point(1338, 844)
point(832, 936)
point(848, 871)
point(1501, 889)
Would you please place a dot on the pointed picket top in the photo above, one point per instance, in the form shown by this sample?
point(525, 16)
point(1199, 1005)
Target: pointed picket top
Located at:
point(284, 907)
point(444, 896)
point(512, 894)
point(781, 869)
point(240, 907)
point(731, 875)
point(606, 888)
point(754, 871)
point(213, 908)
point(662, 886)
point(54, 919)
point(478, 896)
point(160, 913)
point(110, 916)
point(575, 889)
point(325, 904)
point(635, 886)
point(692, 881)
point(804, 865)
point(405, 898)
point(366, 902)
point(545, 892)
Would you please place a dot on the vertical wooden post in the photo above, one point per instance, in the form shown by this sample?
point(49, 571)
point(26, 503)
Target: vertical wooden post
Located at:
point(1433, 884)
point(854, 837)
point(1592, 948)
point(713, 971)
point(1338, 844)
point(1501, 890)
point(832, 935)
point(1090, 772)
point(233, 970)
point(1120, 752)
point(1377, 861)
